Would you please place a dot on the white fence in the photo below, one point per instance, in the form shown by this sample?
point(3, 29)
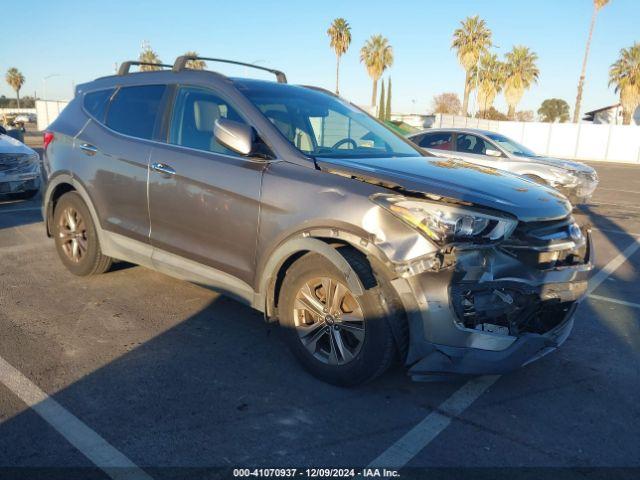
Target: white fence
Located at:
point(17, 110)
point(47, 111)
point(581, 141)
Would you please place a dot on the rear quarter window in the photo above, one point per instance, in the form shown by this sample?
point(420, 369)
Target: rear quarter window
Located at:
point(134, 110)
point(95, 103)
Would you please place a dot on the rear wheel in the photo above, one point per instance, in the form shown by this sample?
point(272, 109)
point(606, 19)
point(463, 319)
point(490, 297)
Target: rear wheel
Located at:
point(339, 337)
point(76, 239)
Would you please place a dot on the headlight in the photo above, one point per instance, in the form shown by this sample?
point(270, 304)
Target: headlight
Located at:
point(446, 224)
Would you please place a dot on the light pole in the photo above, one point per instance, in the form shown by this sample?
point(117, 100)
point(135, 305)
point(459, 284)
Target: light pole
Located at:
point(44, 84)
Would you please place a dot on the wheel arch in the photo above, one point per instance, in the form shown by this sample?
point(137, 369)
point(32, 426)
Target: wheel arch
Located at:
point(58, 186)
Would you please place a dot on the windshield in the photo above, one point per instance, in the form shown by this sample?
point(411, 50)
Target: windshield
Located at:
point(319, 124)
point(512, 147)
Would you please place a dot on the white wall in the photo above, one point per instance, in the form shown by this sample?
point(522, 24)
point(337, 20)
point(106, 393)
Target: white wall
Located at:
point(582, 141)
point(17, 110)
point(47, 111)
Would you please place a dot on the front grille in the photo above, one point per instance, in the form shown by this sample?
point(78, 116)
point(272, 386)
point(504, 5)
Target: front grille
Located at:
point(548, 244)
point(14, 163)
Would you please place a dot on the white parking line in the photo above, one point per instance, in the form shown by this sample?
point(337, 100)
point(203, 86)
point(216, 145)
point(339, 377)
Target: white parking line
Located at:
point(416, 439)
point(78, 434)
point(614, 300)
point(401, 452)
point(612, 266)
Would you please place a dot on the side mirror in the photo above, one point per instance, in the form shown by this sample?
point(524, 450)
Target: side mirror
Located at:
point(492, 153)
point(235, 136)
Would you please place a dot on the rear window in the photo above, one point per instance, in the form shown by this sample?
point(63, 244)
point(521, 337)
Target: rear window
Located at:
point(134, 110)
point(96, 103)
point(439, 141)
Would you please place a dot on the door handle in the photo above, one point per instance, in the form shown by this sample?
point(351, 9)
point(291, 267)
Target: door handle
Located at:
point(88, 149)
point(163, 168)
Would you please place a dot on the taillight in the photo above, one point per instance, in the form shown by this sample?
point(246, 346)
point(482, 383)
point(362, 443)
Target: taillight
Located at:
point(48, 138)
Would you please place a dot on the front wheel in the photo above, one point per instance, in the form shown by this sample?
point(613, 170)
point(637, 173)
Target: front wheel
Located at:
point(339, 337)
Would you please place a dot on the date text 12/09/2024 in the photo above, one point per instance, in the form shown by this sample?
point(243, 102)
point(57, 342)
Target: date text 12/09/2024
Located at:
point(315, 472)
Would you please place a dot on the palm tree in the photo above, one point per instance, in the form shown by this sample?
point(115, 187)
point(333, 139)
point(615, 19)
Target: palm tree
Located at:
point(340, 34)
point(625, 75)
point(195, 64)
point(15, 79)
point(377, 56)
point(147, 55)
point(470, 41)
point(520, 72)
point(490, 80)
point(597, 5)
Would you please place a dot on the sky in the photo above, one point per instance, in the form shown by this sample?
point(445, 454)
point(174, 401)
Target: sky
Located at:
point(72, 42)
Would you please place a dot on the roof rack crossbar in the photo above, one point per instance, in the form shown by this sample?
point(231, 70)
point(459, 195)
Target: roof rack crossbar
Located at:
point(181, 63)
point(125, 66)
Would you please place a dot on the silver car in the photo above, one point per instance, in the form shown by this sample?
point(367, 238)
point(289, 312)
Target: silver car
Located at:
point(19, 168)
point(575, 180)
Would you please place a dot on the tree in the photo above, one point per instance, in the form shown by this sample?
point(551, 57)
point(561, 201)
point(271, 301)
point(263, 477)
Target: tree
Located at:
point(147, 55)
point(520, 72)
point(470, 41)
point(381, 114)
point(377, 56)
point(554, 109)
point(491, 114)
point(490, 80)
point(387, 109)
point(597, 5)
point(448, 103)
point(524, 116)
point(340, 38)
point(194, 64)
point(15, 79)
point(625, 75)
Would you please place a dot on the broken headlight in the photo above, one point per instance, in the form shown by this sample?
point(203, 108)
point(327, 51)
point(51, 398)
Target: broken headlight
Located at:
point(445, 224)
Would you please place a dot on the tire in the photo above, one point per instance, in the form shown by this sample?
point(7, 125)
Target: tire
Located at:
point(359, 356)
point(85, 256)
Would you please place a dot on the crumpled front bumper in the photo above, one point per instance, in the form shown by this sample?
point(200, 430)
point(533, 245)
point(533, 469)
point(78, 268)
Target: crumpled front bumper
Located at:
point(440, 343)
point(580, 193)
point(24, 180)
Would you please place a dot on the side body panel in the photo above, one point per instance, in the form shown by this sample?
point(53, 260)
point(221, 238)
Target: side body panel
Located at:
point(116, 179)
point(208, 211)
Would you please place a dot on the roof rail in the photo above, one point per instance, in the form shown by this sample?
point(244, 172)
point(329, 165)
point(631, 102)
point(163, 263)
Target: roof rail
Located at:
point(125, 66)
point(181, 63)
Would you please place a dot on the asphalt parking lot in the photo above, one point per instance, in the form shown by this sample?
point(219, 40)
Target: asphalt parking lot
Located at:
point(168, 374)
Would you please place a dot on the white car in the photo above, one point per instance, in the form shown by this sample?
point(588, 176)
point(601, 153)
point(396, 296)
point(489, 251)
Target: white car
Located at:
point(19, 168)
point(574, 180)
point(25, 118)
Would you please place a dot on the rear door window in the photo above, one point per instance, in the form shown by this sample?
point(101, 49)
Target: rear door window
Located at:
point(438, 141)
point(95, 103)
point(134, 110)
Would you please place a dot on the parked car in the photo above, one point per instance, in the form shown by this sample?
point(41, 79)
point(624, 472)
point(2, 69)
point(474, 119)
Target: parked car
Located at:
point(575, 180)
point(294, 201)
point(25, 118)
point(19, 168)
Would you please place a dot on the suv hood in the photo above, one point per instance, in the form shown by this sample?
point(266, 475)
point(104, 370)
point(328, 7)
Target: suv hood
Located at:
point(464, 181)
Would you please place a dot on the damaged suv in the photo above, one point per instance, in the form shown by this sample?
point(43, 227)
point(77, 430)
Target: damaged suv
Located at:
point(298, 203)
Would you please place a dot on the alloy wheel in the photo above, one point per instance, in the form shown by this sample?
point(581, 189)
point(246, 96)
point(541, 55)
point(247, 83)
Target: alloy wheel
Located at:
point(73, 234)
point(329, 321)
